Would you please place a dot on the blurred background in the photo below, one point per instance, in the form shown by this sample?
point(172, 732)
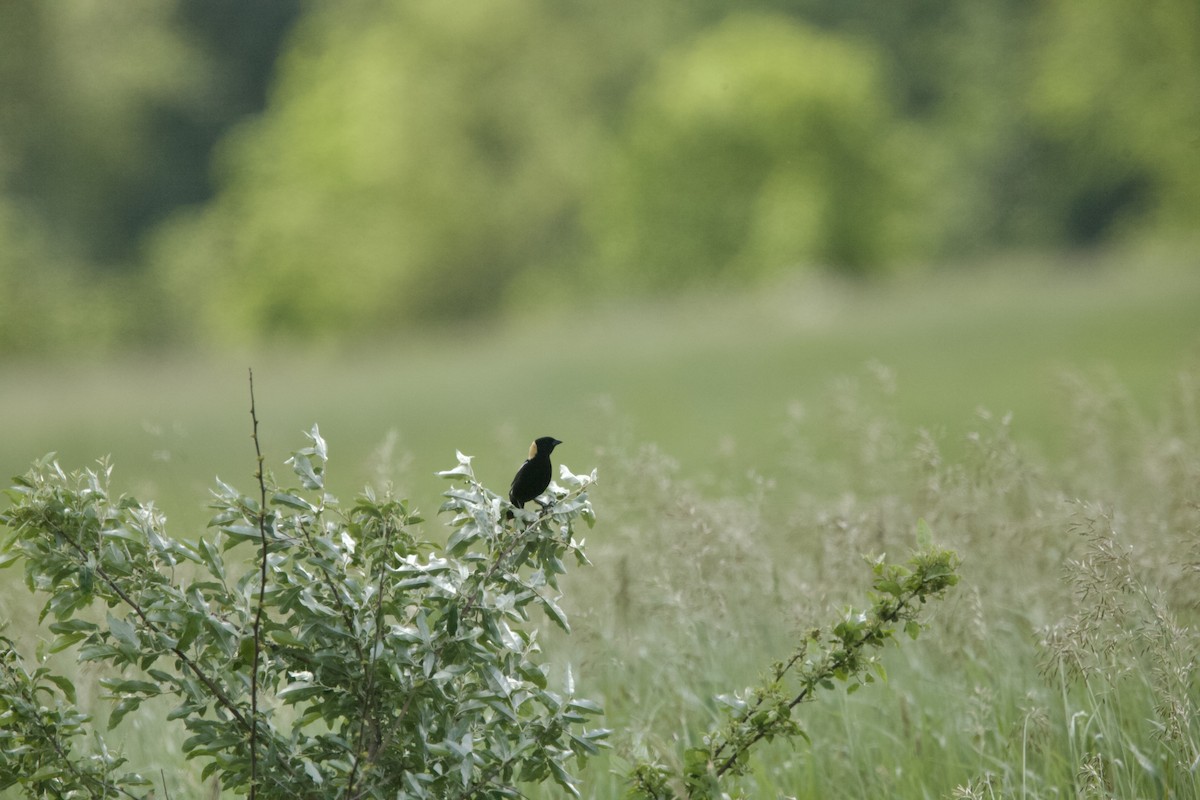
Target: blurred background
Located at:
point(467, 226)
point(576, 203)
point(207, 172)
point(749, 259)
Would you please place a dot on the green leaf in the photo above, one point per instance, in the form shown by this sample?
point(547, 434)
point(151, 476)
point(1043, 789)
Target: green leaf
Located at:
point(310, 476)
point(295, 692)
point(124, 686)
point(556, 613)
point(320, 449)
point(459, 540)
point(587, 706)
point(123, 533)
point(311, 770)
point(287, 638)
point(411, 583)
point(123, 632)
point(45, 773)
point(185, 710)
point(73, 626)
point(888, 586)
point(463, 470)
point(65, 685)
point(924, 536)
point(291, 501)
point(242, 530)
point(122, 708)
point(97, 651)
point(64, 641)
point(191, 629)
point(563, 778)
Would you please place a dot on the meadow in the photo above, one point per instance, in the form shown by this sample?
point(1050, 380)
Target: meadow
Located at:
point(752, 448)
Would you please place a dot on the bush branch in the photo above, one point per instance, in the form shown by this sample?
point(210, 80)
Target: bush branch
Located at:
point(262, 589)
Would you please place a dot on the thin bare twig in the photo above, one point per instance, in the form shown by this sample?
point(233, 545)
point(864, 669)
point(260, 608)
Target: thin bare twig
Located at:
point(262, 590)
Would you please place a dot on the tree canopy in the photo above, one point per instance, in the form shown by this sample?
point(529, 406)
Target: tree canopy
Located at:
point(275, 169)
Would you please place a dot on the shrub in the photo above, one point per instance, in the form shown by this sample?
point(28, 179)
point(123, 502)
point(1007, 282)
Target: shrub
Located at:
point(353, 660)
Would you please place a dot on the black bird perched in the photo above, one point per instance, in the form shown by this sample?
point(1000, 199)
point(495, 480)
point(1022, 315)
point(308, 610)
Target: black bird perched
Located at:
point(534, 475)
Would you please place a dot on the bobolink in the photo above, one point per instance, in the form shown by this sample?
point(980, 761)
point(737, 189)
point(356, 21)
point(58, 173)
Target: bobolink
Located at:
point(534, 475)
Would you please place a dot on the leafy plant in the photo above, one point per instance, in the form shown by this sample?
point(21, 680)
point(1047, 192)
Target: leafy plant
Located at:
point(40, 722)
point(842, 652)
point(352, 660)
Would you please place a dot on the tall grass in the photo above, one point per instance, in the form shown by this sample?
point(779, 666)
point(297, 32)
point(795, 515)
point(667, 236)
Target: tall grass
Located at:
point(1064, 668)
point(1064, 665)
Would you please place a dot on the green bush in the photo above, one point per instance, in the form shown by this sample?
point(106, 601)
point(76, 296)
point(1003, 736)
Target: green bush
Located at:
point(352, 660)
point(1115, 92)
point(761, 146)
point(414, 160)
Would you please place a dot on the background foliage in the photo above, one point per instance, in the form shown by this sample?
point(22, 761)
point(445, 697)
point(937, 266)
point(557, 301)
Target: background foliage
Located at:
point(236, 171)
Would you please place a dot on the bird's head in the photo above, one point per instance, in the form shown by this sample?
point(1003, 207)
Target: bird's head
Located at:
point(543, 446)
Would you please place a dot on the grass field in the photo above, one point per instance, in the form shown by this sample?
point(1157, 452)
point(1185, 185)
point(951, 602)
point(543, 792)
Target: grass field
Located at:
point(751, 448)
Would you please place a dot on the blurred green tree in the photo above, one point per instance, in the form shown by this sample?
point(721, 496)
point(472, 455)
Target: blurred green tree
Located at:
point(107, 116)
point(45, 303)
point(761, 145)
point(416, 162)
point(108, 113)
point(1117, 93)
point(86, 89)
point(415, 159)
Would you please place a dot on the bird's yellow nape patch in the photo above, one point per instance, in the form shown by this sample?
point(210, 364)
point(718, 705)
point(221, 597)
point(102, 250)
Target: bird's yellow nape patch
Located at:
point(533, 449)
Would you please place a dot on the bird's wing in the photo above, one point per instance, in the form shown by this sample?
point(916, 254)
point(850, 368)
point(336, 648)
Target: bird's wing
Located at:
point(517, 477)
